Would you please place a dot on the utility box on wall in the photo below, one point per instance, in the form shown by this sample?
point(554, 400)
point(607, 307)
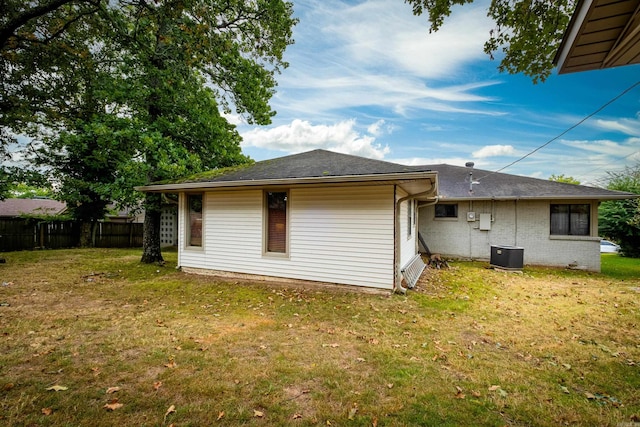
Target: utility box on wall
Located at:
point(507, 257)
point(485, 221)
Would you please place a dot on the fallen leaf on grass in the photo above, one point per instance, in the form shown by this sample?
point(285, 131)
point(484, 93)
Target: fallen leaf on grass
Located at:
point(258, 414)
point(459, 393)
point(353, 411)
point(172, 364)
point(297, 416)
point(332, 345)
point(494, 387)
point(171, 410)
point(360, 359)
point(157, 385)
point(57, 388)
point(113, 405)
point(112, 390)
point(220, 415)
point(564, 389)
point(46, 411)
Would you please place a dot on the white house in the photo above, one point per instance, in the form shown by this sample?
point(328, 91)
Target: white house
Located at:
point(316, 216)
point(334, 218)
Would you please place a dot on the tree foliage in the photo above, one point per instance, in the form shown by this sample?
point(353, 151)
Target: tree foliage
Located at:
point(619, 220)
point(526, 35)
point(562, 178)
point(127, 92)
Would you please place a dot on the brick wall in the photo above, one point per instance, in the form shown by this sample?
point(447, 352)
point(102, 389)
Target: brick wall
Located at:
point(516, 223)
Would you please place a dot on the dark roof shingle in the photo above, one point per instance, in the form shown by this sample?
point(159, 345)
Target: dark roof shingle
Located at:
point(17, 207)
point(311, 164)
point(453, 182)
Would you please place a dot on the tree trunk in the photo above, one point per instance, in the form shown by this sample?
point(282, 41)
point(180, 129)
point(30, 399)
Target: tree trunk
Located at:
point(86, 234)
point(151, 235)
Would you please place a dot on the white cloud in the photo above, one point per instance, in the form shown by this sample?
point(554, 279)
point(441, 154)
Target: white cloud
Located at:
point(493, 151)
point(419, 161)
point(233, 118)
point(301, 135)
point(623, 125)
point(377, 54)
point(379, 128)
point(386, 35)
point(607, 147)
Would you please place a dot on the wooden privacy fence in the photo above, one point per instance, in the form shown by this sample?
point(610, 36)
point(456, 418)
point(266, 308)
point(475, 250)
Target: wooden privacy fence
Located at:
point(18, 234)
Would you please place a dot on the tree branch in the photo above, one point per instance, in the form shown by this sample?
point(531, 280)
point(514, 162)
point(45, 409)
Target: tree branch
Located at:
point(22, 19)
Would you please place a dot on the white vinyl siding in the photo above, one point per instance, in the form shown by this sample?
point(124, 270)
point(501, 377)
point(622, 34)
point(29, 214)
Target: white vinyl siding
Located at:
point(336, 234)
point(408, 247)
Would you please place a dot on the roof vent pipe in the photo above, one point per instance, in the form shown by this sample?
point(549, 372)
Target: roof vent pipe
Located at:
point(471, 181)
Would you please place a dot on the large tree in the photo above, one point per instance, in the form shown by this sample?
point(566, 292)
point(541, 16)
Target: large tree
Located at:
point(62, 83)
point(130, 91)
point(526, 35)
point(188, 57)
point(26, 29)
point(619, 220)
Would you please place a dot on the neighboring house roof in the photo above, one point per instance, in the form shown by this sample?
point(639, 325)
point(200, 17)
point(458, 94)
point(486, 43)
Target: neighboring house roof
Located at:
point(317, 166)
point(453, 183)
point(601, 34)
point(17, 207)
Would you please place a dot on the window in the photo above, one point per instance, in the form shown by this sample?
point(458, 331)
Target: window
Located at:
point(409, 217)
point(194, 220)
point(276, 221)
point(570, 220)
point(446, 210)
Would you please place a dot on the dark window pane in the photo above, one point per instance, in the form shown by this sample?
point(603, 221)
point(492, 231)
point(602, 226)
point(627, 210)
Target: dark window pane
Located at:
point(277, 222)
point(446, 211)
point(570, 220)
point(194, 235)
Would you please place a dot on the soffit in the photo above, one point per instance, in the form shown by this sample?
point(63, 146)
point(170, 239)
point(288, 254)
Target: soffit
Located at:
point(602, 34)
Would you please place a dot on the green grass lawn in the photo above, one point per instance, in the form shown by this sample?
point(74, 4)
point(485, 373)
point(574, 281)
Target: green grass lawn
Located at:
point(613, 265)
point(94, 338)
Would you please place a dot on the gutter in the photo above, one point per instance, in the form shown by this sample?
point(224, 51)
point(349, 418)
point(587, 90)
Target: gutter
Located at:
point(395, 177)
point(565, 197)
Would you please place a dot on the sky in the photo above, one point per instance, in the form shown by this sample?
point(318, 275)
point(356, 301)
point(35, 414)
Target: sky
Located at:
point(367, 78)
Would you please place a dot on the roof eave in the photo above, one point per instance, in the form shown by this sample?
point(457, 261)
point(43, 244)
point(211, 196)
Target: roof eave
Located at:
point(508, 198)
point(211, 185)
point(571, 33)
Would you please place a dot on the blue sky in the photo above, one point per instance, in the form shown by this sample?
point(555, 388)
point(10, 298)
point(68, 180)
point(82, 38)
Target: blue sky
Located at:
point(367, 78)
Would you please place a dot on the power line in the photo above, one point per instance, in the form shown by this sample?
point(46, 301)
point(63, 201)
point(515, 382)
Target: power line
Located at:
point(605, 105)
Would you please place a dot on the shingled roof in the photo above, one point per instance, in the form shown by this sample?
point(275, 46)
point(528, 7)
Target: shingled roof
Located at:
point(316, 163)
point(453, 182)
point(322, 166)
point(17, 207)
point(311, 166)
